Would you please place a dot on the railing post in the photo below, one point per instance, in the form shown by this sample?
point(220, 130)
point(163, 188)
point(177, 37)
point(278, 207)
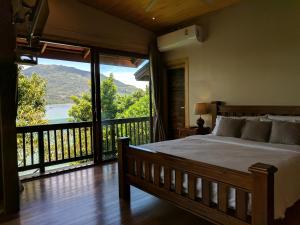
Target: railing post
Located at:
point(41, 151)
point(263, 194)
point(124, 187)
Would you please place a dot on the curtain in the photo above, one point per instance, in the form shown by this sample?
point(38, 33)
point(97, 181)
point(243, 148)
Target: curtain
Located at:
point(157, 85)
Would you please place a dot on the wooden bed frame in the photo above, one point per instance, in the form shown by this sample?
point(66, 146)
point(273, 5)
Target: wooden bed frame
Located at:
point(136, 163)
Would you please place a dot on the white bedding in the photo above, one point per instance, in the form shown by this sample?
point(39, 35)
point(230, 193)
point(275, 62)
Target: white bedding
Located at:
point(239, 154)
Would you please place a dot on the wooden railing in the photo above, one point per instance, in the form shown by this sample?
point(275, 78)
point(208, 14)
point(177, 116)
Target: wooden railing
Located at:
point(54, 144)
point(138, 129)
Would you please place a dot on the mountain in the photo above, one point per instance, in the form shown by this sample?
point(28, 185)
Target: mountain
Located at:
point(63, 82)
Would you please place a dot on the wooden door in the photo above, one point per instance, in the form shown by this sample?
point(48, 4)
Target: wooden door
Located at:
point(176, 101)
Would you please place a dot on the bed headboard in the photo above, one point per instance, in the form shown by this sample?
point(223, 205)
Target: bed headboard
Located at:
point(219, 108)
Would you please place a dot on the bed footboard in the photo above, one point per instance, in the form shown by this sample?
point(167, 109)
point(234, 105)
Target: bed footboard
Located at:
point(163, 176)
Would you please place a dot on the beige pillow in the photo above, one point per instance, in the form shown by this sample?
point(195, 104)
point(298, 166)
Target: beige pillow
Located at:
point(285, 133)
point(284, 118)
point(256, 131)
point(229, 127)
point(218, 119)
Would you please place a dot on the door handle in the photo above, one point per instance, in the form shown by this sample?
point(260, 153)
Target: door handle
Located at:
point(182, 107)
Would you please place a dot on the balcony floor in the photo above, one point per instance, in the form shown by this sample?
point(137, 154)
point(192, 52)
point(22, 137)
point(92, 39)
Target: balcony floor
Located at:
point(90, 196)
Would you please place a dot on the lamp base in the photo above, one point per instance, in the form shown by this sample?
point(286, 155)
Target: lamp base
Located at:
point(201, 129)
point(200, 123)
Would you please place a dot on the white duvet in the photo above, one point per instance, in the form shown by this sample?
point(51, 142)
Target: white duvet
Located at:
point(239, 154)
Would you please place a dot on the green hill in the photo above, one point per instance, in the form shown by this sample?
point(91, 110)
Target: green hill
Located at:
point(63, 82)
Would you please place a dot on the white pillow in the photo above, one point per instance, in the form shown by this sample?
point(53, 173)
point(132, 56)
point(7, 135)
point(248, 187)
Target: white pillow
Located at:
point(284, 118)
point(217, 125)
point(218, 119)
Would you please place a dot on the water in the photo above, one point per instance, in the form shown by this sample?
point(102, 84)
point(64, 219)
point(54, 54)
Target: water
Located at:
point(58, 113)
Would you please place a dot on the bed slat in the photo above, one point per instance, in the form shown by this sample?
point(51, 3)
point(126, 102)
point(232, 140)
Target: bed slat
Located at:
point(192, 186)
point(205, 192)
point(222, 197)
point(167, 178)
point(241, 204)
point(178, 182)
point(147, 171)
point(156, 174)
point(138, 168)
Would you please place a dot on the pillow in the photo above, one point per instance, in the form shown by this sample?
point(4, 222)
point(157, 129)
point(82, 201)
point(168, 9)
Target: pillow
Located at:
point(285, 133)
point(256, 131)
point(214, 132)
point(284, 118)
point(230, 127)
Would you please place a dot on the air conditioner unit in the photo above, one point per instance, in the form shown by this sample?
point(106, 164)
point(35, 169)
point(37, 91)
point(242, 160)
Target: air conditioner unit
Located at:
point(179, 38)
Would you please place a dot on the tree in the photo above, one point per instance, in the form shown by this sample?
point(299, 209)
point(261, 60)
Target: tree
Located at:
point(108, 98)
point(82, 108)
point(125, 101)
point(31, 100)
point(31, 108)
point(113, 105)
point(139, 108)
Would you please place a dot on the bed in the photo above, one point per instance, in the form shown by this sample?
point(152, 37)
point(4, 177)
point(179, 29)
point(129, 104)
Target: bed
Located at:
point(253, 183)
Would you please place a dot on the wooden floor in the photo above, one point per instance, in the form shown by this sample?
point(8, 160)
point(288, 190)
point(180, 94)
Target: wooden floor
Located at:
point(90, 196)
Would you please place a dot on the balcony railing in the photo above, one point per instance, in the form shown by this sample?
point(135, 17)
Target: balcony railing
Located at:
point(49, 145)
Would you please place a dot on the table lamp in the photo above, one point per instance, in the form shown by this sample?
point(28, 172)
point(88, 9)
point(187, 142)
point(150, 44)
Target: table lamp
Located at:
point(200, 109)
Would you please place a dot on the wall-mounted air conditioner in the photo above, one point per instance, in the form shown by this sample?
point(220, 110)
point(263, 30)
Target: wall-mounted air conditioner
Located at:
point(179, 38)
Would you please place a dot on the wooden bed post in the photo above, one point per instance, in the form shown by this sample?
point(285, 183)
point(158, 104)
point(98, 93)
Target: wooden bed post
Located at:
point(214, 111)
point(263, 194)
point(124, 187)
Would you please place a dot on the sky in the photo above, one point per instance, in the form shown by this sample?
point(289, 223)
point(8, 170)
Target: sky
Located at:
point(121, 73)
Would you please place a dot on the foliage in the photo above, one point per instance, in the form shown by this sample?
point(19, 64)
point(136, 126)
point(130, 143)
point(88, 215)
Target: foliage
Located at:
point(81, 110)
point(108, 98)
point(125, 101)
point(113, 105)
point(138, 109)
point(31, 100)
point(136, 105)
point(82, 107)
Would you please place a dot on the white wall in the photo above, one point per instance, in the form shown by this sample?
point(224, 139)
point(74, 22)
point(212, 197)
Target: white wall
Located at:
point(73, 21)
point(251, 55)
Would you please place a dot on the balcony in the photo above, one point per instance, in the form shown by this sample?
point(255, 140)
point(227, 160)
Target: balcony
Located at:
point(47, 148)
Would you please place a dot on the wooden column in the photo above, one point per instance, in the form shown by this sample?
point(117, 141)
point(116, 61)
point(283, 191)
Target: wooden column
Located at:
point(151, 108)
point(96, 106)
point(263, 194)
point(9, 188)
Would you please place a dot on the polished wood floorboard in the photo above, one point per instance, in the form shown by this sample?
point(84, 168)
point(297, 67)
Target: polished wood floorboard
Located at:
point(90, 197)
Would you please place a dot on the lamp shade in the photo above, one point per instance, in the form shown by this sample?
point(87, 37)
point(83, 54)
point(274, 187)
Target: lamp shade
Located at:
point(200, 108)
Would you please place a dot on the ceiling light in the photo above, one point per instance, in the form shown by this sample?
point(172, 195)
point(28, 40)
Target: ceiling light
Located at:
point(153, 18)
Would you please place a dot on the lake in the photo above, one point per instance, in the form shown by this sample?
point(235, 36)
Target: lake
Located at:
point(58, 113)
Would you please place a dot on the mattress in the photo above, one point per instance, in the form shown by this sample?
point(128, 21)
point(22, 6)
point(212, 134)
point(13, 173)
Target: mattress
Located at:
point(239, 154)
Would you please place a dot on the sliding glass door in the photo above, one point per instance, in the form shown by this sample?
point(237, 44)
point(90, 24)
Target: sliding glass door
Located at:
point(125, 101)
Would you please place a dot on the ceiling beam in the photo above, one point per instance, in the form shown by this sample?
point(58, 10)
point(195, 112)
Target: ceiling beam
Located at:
point(44, 48)
point(86, 53)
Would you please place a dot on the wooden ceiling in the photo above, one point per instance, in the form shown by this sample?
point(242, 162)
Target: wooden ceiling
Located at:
point(158, 15)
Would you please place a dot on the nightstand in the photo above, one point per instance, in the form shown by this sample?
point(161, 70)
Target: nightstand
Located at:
point(184, 132)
